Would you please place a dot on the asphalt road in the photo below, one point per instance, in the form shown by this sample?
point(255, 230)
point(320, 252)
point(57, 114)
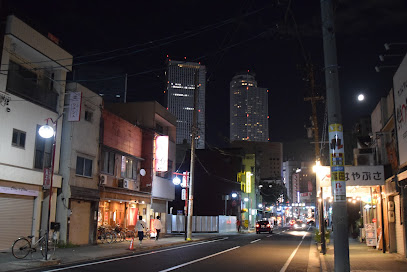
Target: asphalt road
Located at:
point(284, 250)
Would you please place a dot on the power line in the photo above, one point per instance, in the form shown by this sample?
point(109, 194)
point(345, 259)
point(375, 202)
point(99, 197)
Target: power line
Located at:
point(187, 34)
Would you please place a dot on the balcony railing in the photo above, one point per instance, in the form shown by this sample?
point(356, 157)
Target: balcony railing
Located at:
point(31, 90)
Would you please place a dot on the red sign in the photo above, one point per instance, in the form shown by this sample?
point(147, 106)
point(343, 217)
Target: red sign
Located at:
point(374, 220)
point(47, 178)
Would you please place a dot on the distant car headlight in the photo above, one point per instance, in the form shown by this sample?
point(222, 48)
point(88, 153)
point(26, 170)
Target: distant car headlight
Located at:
point(303, 225)
point(295, 225)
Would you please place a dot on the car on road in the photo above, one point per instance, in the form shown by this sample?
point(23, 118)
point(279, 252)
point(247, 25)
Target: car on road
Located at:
point(264, 226)
point(299, 225)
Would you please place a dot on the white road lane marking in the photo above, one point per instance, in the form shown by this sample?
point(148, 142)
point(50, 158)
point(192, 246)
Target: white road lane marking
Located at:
point(133, 256)
point(287, 263)
point(269, 236)
point(255, 241)
point(200, 259)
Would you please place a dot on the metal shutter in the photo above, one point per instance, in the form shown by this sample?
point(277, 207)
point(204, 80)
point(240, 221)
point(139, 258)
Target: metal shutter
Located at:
point(16, 213)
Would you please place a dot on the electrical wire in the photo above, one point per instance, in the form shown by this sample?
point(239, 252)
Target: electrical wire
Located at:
point(190, 34)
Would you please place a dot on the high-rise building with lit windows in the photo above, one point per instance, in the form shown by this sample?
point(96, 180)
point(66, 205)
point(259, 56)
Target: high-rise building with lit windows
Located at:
point(248, 109)
point(180, 98)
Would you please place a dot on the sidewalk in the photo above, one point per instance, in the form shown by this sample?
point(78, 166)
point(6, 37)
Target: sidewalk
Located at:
point(94, 252)
point(364, 258)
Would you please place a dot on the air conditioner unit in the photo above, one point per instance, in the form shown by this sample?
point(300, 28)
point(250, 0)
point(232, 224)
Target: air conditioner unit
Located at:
point(126, 183)
point(103, 179)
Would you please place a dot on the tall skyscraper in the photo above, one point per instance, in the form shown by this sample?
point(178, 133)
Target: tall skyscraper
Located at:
point(180, 98)
point(248, 109)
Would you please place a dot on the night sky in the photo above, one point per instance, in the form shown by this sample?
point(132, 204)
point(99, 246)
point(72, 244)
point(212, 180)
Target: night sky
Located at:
point(271, 38)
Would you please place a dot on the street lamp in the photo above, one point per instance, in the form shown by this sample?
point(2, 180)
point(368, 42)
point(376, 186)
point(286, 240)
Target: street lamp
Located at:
point(177, 181)
point(46, 132)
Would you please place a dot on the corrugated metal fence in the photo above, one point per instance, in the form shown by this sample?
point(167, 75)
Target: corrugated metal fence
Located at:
point(176, 223)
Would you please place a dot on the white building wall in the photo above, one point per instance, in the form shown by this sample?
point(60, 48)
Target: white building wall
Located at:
point(26, 47)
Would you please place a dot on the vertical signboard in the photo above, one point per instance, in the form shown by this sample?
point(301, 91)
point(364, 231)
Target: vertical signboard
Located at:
point(161, 153)
point(337, 162)
point(400, 104)
point(75, 99)
point(47, 178)
point(248, 182)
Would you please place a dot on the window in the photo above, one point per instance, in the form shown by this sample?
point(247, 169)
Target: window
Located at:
point(18, 138)
point(88, 115)
point(107, 162)
point(43, 148)
point(83, 167)
point(129, 168)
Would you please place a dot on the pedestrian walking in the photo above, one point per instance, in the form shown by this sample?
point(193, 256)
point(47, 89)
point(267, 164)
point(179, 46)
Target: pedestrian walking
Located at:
point(238, 224)
point(140, 226)
point(157, 226)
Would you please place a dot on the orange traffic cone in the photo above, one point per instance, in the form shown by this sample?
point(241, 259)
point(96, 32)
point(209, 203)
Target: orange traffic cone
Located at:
point(131, 247)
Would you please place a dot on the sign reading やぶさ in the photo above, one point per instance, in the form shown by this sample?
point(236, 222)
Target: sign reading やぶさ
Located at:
point(354, 175)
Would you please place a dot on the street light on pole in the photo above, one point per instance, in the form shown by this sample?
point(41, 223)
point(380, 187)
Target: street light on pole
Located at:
point(46, 132)
point(177, 181)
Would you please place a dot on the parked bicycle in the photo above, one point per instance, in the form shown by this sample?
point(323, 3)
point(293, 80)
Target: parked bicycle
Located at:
point(104, 235)
point(129, 233)
point(24, 245)
point(121, 235)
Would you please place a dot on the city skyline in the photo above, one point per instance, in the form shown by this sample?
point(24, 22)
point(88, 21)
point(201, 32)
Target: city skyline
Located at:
point(273, 39)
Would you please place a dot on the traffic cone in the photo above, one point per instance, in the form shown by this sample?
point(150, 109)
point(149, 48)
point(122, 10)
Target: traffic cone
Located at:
point(131, 247)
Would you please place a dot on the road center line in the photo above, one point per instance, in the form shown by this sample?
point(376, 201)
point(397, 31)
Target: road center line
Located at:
point(269, 236)
point(198, 260)
point(255, 241)
point(133, 256)
point(287, 263)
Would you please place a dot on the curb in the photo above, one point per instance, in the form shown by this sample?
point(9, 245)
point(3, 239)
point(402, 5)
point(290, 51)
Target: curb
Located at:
point(59, 262)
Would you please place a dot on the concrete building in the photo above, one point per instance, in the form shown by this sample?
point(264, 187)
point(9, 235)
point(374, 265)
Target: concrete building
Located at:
point(78, 200)
point(155, 121)
point(289, 169)
point(121, 198)
point(269, 158)
point(32, 89)
point(248, 109)
point(180, 98)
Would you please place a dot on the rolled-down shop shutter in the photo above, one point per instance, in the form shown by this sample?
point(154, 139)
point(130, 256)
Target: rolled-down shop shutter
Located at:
point(16, 215)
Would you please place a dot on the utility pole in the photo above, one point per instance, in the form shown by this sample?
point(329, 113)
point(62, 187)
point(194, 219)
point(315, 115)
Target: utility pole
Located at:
point(313, 98)
point(336, 143)
point(194, 129)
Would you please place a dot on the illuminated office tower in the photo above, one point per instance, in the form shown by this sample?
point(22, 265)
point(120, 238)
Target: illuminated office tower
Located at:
point(180, 98)
point(248, 109)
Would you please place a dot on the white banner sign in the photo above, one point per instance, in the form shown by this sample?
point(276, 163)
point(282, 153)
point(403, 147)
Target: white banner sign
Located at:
point(400, 104)
point(161, 153)
point(75, 100)
point(17, 191)
point(354, 175)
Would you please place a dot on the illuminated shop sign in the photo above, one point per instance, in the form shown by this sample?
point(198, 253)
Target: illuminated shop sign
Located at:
point(161, 153)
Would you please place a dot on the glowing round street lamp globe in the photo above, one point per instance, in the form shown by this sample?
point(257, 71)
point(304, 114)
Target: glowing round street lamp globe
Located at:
point(246, 199)
point(176, 180)
point(361, 97)
point(46, 131)
point(234, 195)
point(260, 205)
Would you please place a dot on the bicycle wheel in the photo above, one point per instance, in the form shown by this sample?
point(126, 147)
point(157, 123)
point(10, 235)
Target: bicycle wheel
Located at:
point(51, 247)
point(21, 247)
point(109, 237)
point(122, 236)
point(101, 238)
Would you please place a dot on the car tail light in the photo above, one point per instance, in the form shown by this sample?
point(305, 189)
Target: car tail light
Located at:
point(268, 225)
point(257, 225)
